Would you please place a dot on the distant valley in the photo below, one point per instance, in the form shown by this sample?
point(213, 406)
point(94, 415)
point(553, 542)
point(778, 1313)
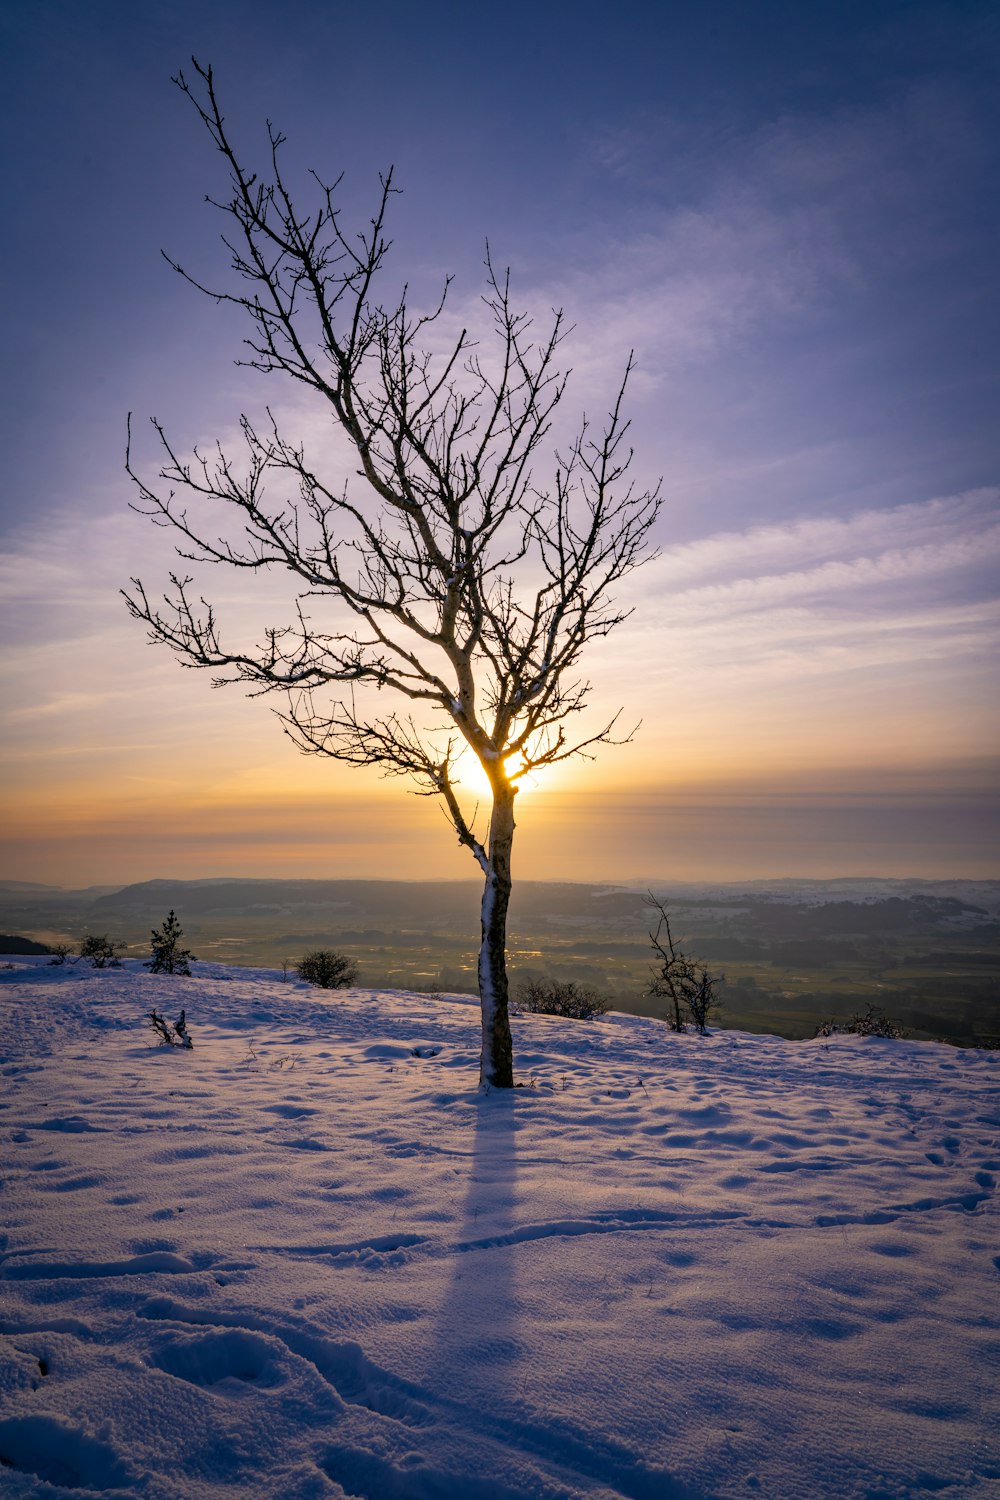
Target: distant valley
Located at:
point(793, 952)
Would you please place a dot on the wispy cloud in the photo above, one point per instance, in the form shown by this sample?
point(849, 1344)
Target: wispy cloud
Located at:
point(860, 640)
point(738, 237)
point(913, 582)
point(822, 556)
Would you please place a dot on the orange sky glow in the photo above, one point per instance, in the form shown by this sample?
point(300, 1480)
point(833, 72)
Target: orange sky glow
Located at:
point(801, 247)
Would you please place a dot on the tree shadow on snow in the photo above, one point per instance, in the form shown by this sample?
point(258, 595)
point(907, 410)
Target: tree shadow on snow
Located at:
point(478, 1318)
point(486, 1364)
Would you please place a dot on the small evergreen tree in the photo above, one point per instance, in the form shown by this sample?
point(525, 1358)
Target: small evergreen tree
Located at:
point(168, 956)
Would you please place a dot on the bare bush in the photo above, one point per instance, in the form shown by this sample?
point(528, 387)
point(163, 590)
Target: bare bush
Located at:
point(555, 997)
point(102, 951)
point(871, 1023)
point(176, 1035)
point(685, 982)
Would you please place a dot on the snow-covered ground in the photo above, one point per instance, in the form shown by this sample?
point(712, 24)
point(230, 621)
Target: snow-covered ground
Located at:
point(309, 1259)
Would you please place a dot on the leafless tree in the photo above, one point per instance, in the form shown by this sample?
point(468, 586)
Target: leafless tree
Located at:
point(685, 983)
point(455, 580)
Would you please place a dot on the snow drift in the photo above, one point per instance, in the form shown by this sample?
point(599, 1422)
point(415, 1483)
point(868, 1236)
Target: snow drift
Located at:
point(308, 1259)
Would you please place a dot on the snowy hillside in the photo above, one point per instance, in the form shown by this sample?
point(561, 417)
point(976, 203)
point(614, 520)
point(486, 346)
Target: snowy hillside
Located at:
point(308, 1259)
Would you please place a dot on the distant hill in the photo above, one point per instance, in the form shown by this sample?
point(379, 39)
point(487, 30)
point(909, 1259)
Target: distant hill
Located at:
point(27, 885)
point(776, 908)
point(11, 944)
point(792, 952)
point(427, 904)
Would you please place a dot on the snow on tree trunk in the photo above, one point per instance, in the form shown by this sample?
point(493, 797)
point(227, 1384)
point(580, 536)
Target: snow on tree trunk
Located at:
point(497, 1064)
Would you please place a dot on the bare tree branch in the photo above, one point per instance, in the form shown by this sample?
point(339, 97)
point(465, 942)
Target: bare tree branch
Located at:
point(448, 572)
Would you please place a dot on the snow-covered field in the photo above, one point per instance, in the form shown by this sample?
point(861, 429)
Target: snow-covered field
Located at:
point(309, 1259)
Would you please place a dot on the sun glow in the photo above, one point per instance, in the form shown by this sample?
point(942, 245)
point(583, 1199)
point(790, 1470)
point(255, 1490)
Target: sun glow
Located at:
point(472, 778)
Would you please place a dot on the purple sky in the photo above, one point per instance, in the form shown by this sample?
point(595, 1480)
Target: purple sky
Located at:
point(790, 211)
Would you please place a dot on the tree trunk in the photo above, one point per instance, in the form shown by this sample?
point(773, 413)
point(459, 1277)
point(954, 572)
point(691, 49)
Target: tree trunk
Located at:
point(497, 1064)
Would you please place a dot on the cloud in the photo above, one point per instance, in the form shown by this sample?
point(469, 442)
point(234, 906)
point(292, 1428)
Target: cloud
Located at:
point(858, 640)
point(824, 556)
point(728, 231)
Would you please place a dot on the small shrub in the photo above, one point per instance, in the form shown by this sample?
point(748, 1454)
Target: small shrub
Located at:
point(872, 1023)
point(168, 955)
point(327, 969)
point(554, 997)
point(102, 951)
point(176, 1035)
point(60, 953)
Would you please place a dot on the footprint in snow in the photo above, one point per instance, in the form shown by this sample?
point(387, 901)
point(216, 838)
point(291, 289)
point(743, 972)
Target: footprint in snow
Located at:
point(157, 1261)
point(55, 1451)
point(216, 1358)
